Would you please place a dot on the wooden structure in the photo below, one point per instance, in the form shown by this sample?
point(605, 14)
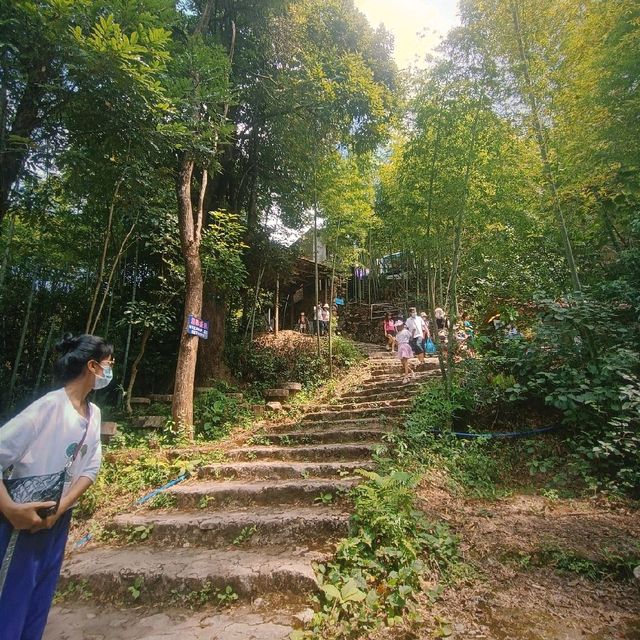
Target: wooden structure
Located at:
point(296, 292)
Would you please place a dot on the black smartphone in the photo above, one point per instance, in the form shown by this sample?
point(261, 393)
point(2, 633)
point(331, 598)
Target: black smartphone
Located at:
point(45, 512)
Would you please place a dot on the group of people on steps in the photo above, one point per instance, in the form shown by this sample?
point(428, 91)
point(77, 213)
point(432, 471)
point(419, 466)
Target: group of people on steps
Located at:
point(414, 336)
point(320, 322)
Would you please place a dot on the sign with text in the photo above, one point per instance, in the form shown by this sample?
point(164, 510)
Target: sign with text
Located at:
point(198, 327)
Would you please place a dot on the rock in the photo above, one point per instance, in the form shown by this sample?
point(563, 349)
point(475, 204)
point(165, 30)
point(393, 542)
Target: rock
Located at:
point(204, 389)
point(107, 431)
point(161, 397)
point(274, 406)
point(636, 573)
point(151, 422)
point(140, 401)
point(293, 387)
point(276, 394)
point(258, 409)
point(304, 617)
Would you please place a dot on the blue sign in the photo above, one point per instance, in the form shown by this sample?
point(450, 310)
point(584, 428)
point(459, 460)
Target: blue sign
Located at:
point(198, 327)
point(339, 301)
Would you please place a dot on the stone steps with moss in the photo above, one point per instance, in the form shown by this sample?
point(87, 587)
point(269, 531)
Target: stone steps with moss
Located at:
point(250, 527)
point(275, 470)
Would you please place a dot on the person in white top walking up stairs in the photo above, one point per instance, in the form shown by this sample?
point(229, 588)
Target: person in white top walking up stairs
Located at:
point(416, 326)
point(50, 455)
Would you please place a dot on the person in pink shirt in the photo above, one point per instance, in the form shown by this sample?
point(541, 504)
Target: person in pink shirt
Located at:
point(389, 331)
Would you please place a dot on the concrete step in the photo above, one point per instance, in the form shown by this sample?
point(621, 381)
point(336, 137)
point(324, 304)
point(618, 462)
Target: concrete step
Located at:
point(330, 417)
point(381, 394)
point(217, 495)
point(306, 453)
point(272, 618)
point(367, 422)
point(108, 572)
point(394, 380)
point(269, 470)
point(430, 364)
point(151, 422)
point(345, 405)
point(326, 436)
point(161, 397)
point(257, 526)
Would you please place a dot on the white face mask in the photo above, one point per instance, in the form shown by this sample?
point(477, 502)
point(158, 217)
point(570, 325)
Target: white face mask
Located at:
point(104, 380)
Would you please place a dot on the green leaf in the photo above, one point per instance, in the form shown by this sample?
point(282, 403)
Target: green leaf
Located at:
point(331, 592)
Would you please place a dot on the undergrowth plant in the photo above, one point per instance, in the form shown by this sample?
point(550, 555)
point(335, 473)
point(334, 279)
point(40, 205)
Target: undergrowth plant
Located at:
point(583, 360)
point(378, 570)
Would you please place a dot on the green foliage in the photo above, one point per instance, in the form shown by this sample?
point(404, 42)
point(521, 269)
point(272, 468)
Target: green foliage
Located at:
point(265, 367)
point(135, 589)
point(74, 590)
point(207, 595)
point(605, 566)
point(221, 252)
point(377, 570)
point(583, 360)
point(215, 414)
point(245, 535)
point(139, 534)
point(122, 478)
point(163, 501)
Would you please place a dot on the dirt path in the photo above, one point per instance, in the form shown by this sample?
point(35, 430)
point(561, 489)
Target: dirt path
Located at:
point(532, 557)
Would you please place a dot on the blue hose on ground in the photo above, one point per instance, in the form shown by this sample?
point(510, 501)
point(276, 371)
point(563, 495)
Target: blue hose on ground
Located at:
point(506, 434)
point(155, 492)
point(80, 543)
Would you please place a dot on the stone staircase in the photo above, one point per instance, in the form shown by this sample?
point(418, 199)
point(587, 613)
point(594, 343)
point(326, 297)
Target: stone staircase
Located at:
point(250, 526)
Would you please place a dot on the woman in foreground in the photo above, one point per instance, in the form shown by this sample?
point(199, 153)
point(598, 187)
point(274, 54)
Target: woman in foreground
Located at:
point(50, 455)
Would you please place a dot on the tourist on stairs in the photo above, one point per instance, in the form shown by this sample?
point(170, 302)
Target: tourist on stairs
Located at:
point(415, 325)
point(389, 329)
point(403, 337)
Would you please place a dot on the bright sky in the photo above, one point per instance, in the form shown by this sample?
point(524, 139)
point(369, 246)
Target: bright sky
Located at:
point(417, 25)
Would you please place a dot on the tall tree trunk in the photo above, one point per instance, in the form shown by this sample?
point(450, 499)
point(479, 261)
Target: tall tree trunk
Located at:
point(136, 363)
point(530, 96)
point(455, 260)
point(28, 117)
point(190, 224)
point(276, 325)
point(5, 256)
point(43, 360)
point(103, 257)
point(107, 288)
point(211, 364)
point(134, 290)
point(252, 205)
point(23, 335)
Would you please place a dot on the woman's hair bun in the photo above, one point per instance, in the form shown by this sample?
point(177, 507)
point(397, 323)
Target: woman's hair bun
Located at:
point(68, 343)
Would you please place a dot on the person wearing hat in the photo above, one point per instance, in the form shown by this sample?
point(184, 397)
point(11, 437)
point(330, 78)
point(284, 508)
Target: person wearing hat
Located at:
point(325, 319)
point(405, 352)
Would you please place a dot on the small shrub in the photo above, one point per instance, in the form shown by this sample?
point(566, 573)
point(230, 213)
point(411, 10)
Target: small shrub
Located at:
point(377, 570)
point(215, 414)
